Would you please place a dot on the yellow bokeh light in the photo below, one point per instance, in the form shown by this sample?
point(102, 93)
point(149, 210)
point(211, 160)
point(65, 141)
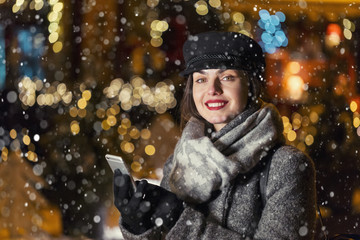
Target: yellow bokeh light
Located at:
point(215, 3)
point(100, 113)
point(353, 106)
point(353, 27)
point(110, 112)
point(291, 136)
point(53, 37)
point(4, 154)
point(294, 67)
point(156, 42)
point(5, 150)
point(347, 23)
point(67, 97)
point(57, 47)
point(61, 89)
point(155, 34)
point(82, 113)
point(19, 2)
point(238, 17)
point(111, 120)
point(115, 108)
point(53, 2)
point(137, 82)
point(86, 95)
point(296, 124)
point(145, 134)
point(332, 40)
point(150, 150)
point(129, 147)
point(285, 119)
point(52, 17)
point(26, 140)
point(162, 26)
point(136, 166)
point(126, 123)
point(82, 103)
point(356, 122)
point(309, 139)
point(305, 121)
point(126, 106)
point(58, 7)
point(295, 87)
point(2, 1)
point(74, 127)
point(121, 130)
point(301, 146)
point(314, 117)
point(73, 112)
point(15, 8)
point(202, 10)
point(287, 127)
point(347, 34)
point(39, 5)
point(13, 133)
point(31, 156)
point(53, 27)
point(105, 125)
point(154, 24)
point(134, 133)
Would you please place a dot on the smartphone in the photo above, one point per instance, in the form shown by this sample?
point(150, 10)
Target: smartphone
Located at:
point(116, 162)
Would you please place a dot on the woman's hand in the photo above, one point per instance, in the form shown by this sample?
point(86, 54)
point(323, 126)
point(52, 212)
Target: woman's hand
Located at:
point(148, 206)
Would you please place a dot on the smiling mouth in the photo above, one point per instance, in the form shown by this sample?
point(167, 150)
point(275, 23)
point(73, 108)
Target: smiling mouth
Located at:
point(215, 105)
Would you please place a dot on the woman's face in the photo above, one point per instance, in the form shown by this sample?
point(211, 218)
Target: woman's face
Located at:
point(220, 95)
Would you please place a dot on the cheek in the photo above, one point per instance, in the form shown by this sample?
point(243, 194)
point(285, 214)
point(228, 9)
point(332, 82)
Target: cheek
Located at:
point(240, 98)
point(196, 98)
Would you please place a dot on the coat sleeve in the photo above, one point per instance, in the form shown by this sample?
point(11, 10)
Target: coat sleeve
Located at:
point(290, 210)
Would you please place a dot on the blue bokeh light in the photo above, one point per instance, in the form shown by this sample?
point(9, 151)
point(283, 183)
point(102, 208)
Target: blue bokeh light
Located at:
point(273, 36)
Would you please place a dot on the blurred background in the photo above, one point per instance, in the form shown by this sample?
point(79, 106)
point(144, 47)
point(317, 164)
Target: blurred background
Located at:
point(82, 78)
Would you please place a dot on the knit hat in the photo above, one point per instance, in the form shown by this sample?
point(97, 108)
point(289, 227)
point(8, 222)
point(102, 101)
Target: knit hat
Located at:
point(222, 50)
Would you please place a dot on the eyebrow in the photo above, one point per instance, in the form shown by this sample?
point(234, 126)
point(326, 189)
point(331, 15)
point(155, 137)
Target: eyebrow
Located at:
point(218, 72)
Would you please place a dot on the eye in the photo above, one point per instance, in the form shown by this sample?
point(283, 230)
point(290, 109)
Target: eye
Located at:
point(200, 80)
point(228, 78)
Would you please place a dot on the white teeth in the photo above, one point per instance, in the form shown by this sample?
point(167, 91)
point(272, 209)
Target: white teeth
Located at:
point(216, 104)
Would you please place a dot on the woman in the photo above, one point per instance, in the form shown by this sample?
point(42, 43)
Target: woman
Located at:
point(211, 187)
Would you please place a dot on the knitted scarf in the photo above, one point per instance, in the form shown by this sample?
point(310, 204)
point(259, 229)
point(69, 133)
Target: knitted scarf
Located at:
point(205, 164)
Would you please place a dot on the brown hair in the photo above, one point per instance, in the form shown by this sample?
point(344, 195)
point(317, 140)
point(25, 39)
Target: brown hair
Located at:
point(187, 106)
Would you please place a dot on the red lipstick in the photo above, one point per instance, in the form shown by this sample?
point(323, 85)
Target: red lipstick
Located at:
point(215, 104)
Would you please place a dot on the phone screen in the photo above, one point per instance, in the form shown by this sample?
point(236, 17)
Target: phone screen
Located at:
point(116, 162)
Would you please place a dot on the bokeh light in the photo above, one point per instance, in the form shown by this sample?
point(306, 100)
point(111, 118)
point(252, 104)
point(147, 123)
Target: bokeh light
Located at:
point(273, 36)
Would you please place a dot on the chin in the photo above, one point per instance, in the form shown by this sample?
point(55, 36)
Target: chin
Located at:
point(218, 121)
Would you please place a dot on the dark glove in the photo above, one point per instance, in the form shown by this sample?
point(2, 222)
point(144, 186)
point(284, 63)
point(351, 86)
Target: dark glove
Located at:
point(135, 211)
point(166, 207)
point(149, 206)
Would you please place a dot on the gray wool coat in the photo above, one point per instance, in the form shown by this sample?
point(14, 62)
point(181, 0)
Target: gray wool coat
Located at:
point(236, 211)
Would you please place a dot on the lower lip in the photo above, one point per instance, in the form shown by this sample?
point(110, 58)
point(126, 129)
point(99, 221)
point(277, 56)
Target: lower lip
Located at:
point(215, 108)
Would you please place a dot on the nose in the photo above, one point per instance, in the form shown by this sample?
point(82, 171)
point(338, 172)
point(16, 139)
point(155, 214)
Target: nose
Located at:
point(214, 87)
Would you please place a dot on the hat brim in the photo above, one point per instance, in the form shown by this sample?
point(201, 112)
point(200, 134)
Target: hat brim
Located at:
point(211, 64)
